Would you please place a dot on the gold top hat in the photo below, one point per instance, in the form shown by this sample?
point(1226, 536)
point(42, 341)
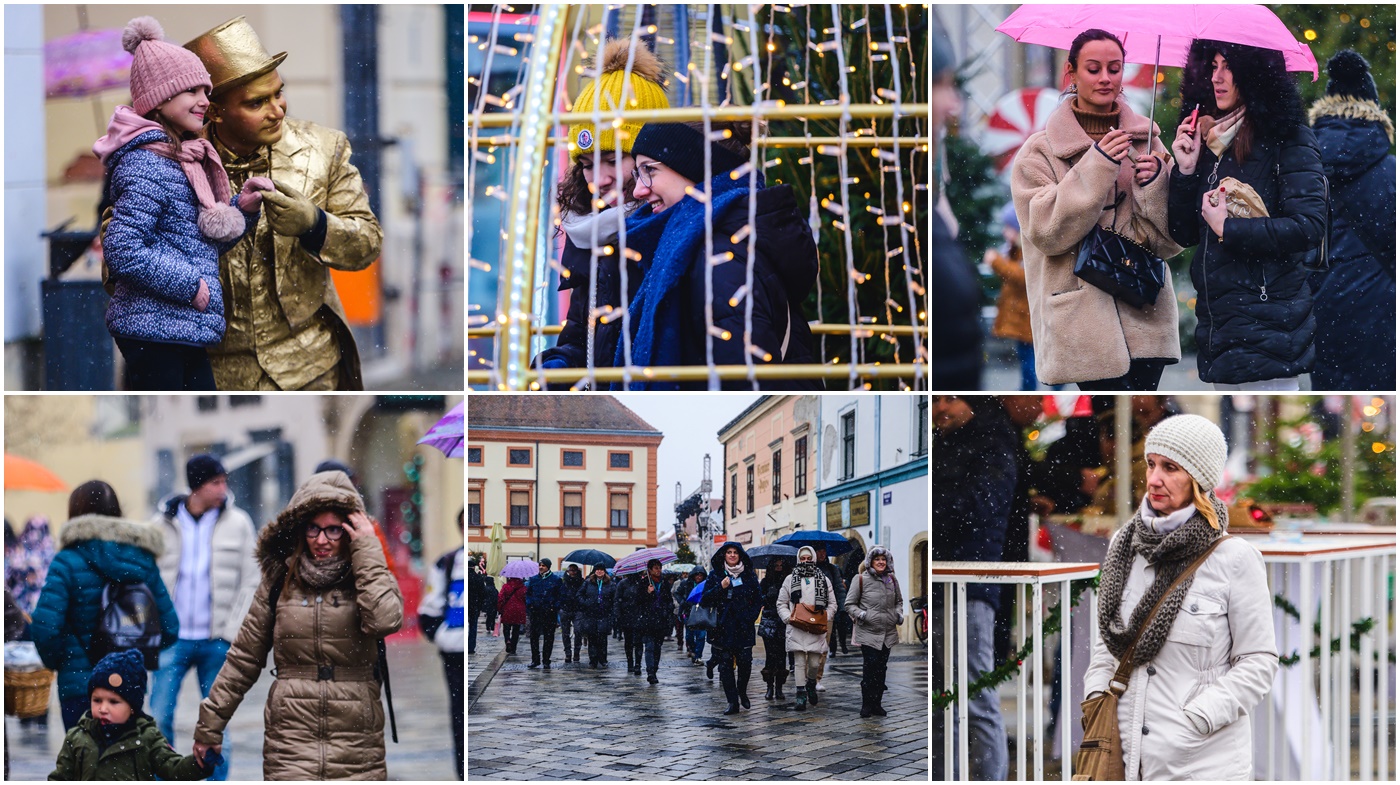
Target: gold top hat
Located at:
point(233, 54)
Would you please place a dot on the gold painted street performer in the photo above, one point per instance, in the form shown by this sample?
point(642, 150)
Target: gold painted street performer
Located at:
point(286, 327)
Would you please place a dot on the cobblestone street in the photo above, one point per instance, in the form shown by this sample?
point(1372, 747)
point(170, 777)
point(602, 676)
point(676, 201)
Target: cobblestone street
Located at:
point(424, 751)
point(576, 723)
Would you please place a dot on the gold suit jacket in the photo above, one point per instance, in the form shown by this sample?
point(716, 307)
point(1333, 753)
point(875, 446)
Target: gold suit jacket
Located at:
point(316, 161)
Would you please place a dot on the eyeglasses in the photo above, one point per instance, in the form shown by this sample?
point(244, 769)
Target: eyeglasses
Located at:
point(643, 175)
point(333, 533)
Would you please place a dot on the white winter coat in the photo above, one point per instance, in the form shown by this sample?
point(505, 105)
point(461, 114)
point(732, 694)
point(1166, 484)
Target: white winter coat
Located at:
point(801, 640)
point(1218, 662)
point(233, 569)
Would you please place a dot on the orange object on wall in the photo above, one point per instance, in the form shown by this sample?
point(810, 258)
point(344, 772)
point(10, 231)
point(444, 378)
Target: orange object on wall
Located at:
point(361, 294)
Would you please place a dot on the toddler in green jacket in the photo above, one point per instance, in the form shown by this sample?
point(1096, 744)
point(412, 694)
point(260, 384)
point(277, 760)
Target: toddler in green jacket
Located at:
point(115, 740)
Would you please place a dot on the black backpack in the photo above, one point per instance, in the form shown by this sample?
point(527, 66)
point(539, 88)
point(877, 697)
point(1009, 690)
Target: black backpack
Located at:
point(128, 619)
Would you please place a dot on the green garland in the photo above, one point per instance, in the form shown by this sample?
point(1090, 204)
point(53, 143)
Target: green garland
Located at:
point(1008, 669)
point(1358, 629)
point(1011, 667)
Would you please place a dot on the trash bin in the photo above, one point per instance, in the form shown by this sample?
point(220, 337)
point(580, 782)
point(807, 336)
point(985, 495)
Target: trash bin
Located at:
point(77, 347)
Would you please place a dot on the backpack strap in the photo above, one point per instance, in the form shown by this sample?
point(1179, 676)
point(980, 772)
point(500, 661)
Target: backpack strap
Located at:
point(1125, 665)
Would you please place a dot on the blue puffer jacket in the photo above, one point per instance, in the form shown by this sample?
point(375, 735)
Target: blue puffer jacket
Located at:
point(155, 253)
point(544, 593)
point(94, 549)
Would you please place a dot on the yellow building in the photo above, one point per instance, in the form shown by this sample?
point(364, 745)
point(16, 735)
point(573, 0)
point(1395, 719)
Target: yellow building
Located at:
point(560, 473)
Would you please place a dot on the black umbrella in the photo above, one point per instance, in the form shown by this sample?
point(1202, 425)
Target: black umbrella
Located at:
point(834, 543)
point(763, 553)
point(590, 558)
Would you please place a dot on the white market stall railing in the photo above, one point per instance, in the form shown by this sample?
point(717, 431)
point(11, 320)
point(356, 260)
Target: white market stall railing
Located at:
point(1335, 580)
point(1032, 577)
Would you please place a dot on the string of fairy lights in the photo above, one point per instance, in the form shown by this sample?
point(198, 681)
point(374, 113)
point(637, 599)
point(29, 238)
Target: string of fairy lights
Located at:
point(536, 105)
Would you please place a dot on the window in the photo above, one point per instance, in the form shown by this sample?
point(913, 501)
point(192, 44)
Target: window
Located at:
point(519, 456)
point(519, 507)
point(749, 481)
point(848, 445)
point(734, 495)
point(234, 401)
point(799, 467)
point(474, 507)
point(921, 435)
point(619, 460)
point(571, 459)
point(573, 509)
point(206, 403)
point(620, 509)
point(474, 456)
point(777, 476)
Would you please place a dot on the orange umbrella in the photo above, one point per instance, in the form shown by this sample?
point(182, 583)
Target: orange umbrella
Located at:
point(22, 474)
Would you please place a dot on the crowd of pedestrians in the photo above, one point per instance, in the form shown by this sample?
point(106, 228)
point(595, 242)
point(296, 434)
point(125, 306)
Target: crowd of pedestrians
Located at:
point(793, 606)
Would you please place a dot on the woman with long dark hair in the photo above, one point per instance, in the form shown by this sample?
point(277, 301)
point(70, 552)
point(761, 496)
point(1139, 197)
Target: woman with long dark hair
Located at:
point(336, 599)
point(1097, 164)
point(1248, 189)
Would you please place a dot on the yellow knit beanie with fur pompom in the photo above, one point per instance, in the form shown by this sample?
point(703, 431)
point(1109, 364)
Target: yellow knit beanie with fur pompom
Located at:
point(645, 90)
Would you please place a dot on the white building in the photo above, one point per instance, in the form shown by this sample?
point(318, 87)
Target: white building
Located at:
point(872, 480)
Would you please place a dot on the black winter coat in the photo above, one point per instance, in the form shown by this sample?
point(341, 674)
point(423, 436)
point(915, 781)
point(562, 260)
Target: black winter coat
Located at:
point(1355, 300)
point(1255, 308)
point(784, 274)
point(571, 587)
point(597, 610)
point(644, 612)
point(974, 477)
point(572, 345)
point(736, 607)
point(956, 337)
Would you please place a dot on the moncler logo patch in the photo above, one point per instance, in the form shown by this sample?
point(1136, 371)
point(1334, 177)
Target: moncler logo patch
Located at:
point(585, 139)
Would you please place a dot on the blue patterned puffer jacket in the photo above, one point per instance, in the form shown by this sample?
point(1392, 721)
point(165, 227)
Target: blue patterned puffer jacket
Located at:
point(155, 253)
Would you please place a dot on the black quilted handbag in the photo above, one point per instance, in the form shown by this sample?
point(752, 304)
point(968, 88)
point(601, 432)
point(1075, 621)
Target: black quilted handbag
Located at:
point(1119, 266)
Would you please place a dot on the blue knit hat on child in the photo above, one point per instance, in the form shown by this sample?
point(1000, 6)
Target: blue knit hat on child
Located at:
point(122, 672)
point(1008, 217)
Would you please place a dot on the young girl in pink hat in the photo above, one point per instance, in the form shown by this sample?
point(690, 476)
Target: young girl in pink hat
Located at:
point(172, 215)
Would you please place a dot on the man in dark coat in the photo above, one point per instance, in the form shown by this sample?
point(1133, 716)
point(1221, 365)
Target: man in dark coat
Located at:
point(476, 602)
point(568, 613)
point(656, 610)
point(973, 468)
point(732, 590)
point(1355, 301)
point(544, 594)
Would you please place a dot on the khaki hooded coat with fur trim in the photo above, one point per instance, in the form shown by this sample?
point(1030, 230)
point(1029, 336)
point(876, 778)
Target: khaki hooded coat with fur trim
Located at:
point(1062, 187)
point(316, 730)
point(876, 608)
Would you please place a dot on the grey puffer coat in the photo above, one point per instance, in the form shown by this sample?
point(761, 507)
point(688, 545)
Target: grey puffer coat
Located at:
point(875, 604)
point(316, 730)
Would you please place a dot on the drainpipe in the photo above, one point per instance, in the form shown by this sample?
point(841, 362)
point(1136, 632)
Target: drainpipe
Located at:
point(535, 511)
point(875, 501)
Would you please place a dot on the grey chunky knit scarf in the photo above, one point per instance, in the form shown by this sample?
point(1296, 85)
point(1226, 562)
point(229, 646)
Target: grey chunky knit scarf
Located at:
point(1170, 554)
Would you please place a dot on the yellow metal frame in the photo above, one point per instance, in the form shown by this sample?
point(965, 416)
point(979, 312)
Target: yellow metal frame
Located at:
point(516, 300)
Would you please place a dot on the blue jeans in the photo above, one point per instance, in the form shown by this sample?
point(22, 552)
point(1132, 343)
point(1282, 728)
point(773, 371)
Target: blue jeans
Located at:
point(206, 657)
point(987, 753)
point(651, 647)
point(695, 641)
point(1026, 352)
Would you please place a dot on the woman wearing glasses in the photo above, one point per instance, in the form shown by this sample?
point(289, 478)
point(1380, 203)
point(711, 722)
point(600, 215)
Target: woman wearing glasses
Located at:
point(750, 309)
point(325, 600)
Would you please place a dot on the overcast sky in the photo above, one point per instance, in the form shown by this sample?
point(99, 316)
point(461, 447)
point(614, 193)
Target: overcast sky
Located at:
point(691, 426)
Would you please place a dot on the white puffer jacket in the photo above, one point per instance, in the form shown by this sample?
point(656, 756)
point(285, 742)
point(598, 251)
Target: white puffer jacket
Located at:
point(233, 570)
point(1218, 663)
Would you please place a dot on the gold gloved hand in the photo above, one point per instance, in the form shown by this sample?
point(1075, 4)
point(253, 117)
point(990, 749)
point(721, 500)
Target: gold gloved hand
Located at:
point(289, 212)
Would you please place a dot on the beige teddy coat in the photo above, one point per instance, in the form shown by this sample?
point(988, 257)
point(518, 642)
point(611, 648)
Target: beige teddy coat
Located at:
point(1062, 187)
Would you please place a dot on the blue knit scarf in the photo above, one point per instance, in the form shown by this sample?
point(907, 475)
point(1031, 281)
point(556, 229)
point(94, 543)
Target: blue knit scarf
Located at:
point(668, 242)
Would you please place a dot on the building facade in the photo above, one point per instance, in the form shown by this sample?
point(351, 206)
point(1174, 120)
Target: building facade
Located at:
point(560, 474)
point(768, 453)
point(872, 482)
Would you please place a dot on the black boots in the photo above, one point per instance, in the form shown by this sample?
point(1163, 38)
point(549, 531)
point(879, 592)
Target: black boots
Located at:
point(865, 702)
point(870, 698)
point(733, 709)
point(812, 691)
point(778, 691)
point(769, 694)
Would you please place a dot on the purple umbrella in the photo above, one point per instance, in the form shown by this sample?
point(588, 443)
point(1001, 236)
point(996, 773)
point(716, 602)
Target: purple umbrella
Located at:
point(637, 560)
point(85, 63)
point(447, 434)
point(521, 568)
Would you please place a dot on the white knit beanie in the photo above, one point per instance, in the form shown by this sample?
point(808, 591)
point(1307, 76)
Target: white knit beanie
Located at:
point(1193, 442)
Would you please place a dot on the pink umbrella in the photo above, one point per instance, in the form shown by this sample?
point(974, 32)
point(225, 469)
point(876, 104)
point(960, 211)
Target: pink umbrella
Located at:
point(521, 568)
point(1160, 34)
point(636, 561)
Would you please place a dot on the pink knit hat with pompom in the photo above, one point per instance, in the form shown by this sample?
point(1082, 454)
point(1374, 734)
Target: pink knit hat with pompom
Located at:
point(159, 70)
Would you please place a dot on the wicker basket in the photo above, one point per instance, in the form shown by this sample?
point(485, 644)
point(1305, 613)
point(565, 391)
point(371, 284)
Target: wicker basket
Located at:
point(27, 692)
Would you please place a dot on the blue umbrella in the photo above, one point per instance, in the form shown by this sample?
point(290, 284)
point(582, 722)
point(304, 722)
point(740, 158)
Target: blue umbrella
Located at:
point(589, 557)
point(835, 544)
point(696, 592)
point(763, 553)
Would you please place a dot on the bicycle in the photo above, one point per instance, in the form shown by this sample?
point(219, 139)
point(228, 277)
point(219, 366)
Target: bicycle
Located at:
point(920, 607)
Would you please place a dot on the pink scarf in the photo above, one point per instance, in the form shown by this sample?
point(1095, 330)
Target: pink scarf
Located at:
point(218, 220)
